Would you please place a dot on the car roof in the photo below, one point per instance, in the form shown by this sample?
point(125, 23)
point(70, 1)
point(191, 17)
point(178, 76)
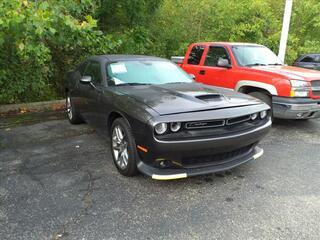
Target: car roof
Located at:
point(120, 57)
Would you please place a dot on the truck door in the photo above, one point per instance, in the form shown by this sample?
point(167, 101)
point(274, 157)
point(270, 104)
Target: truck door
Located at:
point(211, 73)
point(192, 63)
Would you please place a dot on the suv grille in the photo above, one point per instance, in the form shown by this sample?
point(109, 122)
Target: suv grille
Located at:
point(315, 85)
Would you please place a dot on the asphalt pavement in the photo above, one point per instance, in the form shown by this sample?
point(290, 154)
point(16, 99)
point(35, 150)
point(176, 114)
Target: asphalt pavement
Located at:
point(58, 181)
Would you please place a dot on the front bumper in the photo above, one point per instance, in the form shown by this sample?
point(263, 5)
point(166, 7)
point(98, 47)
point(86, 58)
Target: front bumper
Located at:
point(201, 156)
point(295, 108)
point(170, 174)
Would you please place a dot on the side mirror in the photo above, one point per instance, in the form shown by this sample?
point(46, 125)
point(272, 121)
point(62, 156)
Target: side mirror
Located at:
point(86, 79)
point(222, 62)
point(192, 76)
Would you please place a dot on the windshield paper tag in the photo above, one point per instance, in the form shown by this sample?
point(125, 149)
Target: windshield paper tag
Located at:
point(118, 68)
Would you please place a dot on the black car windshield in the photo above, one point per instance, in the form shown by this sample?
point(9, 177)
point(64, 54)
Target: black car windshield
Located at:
point(146, 72)
point(250, 55)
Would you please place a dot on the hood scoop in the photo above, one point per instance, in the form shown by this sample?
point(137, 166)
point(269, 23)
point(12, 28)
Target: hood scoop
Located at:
point(210, 97)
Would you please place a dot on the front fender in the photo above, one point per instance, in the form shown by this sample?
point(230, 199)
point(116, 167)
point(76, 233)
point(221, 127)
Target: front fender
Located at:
point(251, 83)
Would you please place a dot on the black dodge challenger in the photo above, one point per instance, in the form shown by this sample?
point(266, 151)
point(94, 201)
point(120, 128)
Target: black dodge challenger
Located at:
point(160, 121)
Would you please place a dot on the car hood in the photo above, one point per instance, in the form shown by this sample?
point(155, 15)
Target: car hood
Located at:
point(291, 72)
point(186, 97)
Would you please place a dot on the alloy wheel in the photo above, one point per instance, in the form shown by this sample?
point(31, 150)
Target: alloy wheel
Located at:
point(120, 147)
point(69, 107)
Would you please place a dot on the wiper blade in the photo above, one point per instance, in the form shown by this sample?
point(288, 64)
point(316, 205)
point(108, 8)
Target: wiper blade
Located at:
point(255, 64)
point(132, 84)
point(174, 82)
point(275, 64)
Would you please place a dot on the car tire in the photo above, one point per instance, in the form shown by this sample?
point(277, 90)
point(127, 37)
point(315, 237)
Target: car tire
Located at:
point(123, 147)
point(264, 98)
point(72, 114)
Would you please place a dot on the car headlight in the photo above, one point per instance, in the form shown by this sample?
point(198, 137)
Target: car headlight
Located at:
point(175, 126)
point(263, 114)
point(161, 128)
point(299, 88)
point(254, 116)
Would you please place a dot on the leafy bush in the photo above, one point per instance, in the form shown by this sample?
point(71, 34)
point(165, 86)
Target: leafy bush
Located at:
point(39, 41)
point(178, 24)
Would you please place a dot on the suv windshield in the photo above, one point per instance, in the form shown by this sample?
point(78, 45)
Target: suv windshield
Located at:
point(251, 55)
point(146, 72)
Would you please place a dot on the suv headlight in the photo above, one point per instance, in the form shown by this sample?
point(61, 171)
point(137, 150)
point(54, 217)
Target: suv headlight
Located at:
point(299, 88)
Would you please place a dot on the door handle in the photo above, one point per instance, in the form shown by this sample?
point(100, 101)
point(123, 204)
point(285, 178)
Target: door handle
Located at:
point(202, 72)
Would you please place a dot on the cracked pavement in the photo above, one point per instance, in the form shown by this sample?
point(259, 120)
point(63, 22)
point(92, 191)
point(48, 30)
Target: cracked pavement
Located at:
point(57, 181)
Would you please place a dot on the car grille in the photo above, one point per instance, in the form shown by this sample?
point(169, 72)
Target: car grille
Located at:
point(205, 124)
point(215, 159)
point(315, 85)
point(236, 120)
point(217, 123)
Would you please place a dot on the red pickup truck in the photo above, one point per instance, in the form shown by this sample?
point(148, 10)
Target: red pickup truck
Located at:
point(293, 93)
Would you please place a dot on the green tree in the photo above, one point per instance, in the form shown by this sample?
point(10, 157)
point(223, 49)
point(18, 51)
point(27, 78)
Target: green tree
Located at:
point(130, 22)
point(39, 41)
point(117, 15)
point(179, 23)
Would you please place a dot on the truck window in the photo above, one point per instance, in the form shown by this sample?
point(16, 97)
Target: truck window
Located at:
point(195, 55)
point(214, 54)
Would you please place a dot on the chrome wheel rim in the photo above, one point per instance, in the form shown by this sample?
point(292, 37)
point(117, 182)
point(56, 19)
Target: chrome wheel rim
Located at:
point(69, 108)
point(120, 147)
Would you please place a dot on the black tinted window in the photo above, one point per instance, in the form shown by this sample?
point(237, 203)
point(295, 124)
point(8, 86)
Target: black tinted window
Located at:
point(214, 54)
point(82, 67)
point(311, 58)
point(94, 71)
point(308, 59)
point(195, 55)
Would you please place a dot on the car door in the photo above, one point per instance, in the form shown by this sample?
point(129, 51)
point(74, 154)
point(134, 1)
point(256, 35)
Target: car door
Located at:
point(76, 93)
point(91, 92)
point(212, 74)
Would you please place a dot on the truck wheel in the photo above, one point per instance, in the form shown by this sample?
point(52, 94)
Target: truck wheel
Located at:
point(264, 98)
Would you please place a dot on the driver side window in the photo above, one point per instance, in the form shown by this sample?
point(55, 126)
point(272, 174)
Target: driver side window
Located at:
point(93, 70)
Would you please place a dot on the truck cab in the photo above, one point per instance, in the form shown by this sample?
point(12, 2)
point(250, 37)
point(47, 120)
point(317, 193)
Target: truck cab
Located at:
point(293, 93)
